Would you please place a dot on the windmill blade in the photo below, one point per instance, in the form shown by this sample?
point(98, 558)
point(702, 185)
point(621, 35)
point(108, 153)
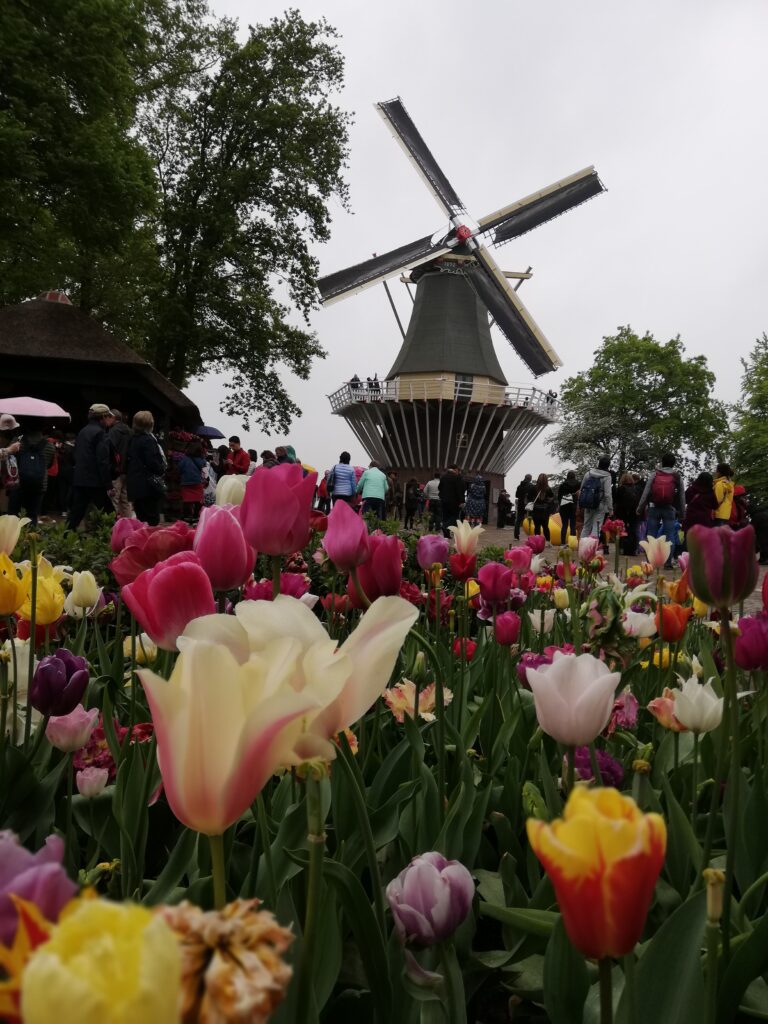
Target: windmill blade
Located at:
point(511, 316)
point(526, 214)
point(409, 137)
point(354, 279)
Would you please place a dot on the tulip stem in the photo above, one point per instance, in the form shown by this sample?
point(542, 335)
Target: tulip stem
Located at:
point(734, 781)
point(360, 592)
point(69, 848)
point(266, 844)
point(713, 950)
point(306, 1012)
point(218, 871)
point(571, 762)
point(275, 576)
point(694, 779)
point(39, 737)
point(596, 773)
point(12, 689)
point(455, 1003)
point(629, 987)
point(4, 697)
point(606, 990)
point(32, 641)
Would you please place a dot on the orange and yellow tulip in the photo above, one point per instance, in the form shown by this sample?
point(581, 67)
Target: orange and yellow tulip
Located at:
point(671, 621)
point(603, 858)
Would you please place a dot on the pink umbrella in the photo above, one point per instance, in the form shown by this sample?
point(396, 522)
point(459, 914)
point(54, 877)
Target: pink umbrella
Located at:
point(33, 407)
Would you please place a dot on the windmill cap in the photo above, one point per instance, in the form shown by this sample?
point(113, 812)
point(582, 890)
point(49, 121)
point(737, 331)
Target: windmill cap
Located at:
point(99, 409)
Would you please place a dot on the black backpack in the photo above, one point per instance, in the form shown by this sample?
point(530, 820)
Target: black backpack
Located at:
point(591, 493)
point(31, 461)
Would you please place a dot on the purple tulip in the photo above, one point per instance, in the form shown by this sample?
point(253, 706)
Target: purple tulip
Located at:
point(722, 567)
point(59, 683)
point(530, 660)
point(751, 645)
point(37, 877)
point(431, 548)
point(429, 899)
point(611, 770)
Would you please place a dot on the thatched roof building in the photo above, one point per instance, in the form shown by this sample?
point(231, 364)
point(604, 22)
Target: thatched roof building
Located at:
point(50, 349)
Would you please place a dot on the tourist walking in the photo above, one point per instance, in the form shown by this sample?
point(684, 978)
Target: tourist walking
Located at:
point(476, 506)
point(543, 506)
point(412, 496)
point(700, 502)
point(145, 469)
point(93, 466)
point(567, 494)
point(503, 509)
point(193, 469)
point(373, 487)
point(341, 482)
point(595, 498)
point(432, 501)
point(625, 509)
point(664, 497)
point(724, 493)
point(523, 496)
point(118, 436)
point(452, 490)
point(34, 458)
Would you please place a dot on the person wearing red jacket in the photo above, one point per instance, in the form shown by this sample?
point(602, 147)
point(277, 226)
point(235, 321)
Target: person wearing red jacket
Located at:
point(238, 459)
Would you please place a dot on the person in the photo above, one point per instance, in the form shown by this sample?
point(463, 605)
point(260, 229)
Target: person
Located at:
point(432, 501)
point(543, 506)
point(664, 497)
point(503, 508)
point(268, 459)
point(93, 466)
point(145, 469)
point(700, 502)
point(192, 469)
point(253, 455)
point(238, 459)
point(412, 495)
point(452, 490)
point(475, 507)
point(739, 508)
point(523, 497)
point(34, 458)
point(625, 508)
point(567, 495)
point(595, 497)
point(724, 493)
point(397, 497)
point(341, 482)
point(118, 436)
point(323, 498)
point(9, 447)
point(373, 486)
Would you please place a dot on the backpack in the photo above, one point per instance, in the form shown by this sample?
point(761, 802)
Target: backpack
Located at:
point(32, 467)
point(663, 487)
point(739, 510)
point(591, 493)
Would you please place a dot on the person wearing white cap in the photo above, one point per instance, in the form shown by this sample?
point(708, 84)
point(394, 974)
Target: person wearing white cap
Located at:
point(9, 472)
point(93, 466)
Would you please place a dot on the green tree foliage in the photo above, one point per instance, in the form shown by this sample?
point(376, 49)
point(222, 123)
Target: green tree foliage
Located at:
point(750, 435)
point(639, 399)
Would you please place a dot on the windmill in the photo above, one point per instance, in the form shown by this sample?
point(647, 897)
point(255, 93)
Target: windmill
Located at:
point(445, 398)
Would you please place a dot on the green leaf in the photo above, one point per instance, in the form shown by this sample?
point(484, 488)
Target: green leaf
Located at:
point(566, 979)
point(683, 850)
point(177, 865)
point(748, 962)
point(533, 922)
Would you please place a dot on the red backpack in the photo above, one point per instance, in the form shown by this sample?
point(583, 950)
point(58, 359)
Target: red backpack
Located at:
point(663, 487)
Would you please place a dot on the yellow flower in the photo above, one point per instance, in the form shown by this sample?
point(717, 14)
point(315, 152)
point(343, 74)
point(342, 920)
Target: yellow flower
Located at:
point(471, 589)
point(105, 963)
point(146, 649)
point(13, 588)
point(665, 658)
point(700, 608)
point(573, 542)
point(50, 595)
point(85, 590)
point(561, 599)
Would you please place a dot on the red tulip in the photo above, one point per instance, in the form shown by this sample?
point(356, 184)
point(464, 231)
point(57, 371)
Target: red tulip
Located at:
point(722, 568)
point(507, 629)
point(223, 551)
point(495, 582)
point(381, 575)
point(318, 521)
point(469, 647)
point(463, 567)
point(275, 511)
point(671, 621)
point(148, 546)
point(346, 540)
point(122, 531)
point(164, 599)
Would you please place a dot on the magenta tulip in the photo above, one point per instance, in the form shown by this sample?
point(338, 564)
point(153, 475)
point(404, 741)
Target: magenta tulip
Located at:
point(382, 574)
point(536, 543)
point(507, 629)
point(519, 558)
point(223, 551)
point(431, 548)
point(37, 877)
point(275, 512)
point(122, 531)
point(722, 566)
point(346, 539)
point(168, 596)
point(495, 582)
point(69, 733)
point(751, 643)
point(430, 899)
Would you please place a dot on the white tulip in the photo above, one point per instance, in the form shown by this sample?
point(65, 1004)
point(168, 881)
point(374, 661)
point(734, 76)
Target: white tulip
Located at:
point(10, 528)
point(573, 697)
point(85, 590)
point(548, 616)
point(638, 623)
point(657, 550)
point(697, 706)
point(230, 489)
point(466, 538)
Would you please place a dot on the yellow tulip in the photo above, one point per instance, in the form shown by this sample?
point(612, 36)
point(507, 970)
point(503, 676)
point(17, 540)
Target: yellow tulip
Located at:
point(471, 589)
point(105, 963)
point(700, 608)
point(49, 605)
point(85, 590)
point(13, 588)
point(573, 541)
point(561, 598)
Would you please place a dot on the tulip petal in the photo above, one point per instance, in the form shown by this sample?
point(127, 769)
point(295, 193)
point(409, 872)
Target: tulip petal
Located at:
point(285, 616)
point(218, 629)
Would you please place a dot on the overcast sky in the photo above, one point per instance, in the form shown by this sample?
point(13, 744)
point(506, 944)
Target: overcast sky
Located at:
point(667, 100)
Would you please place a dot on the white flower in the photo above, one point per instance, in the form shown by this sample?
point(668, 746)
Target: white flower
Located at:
point(466, 538)
point(85, 590)
point(537, 564)
point(696, 667)
point(617, 586)
point(230, 489)
point(697, 706)
point(536, 618)
point(638, 623)
point(10, 528)
point(573, 697)
point(657, 550)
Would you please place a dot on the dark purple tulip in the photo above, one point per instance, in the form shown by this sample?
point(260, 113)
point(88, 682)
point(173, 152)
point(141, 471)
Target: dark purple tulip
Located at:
point(722, 567)
point(37, 877)
point(59, 683)
point(611, 770)
point(751, 644)
point(430, 899)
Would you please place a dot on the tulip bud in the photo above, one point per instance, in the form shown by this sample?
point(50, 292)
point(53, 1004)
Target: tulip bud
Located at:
point(573, 542)
point(715, 882)
point(537, 543)
point(751, 643)
point(507, 629)
point(346, 539)
point(463, 567)
point(722, 565)
point(588, 548)
point(430, 899)
point(534, 805)
point(561, 599)
point(430, 549)
point(519, 558)
point(495, 583)
point(59, 683)
point(91, 781)
point(230, 489)
point(70, 732)
point(224, 553)
point(85, 590)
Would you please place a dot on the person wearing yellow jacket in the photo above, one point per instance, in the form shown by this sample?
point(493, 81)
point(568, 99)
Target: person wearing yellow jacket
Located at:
point(723, 494)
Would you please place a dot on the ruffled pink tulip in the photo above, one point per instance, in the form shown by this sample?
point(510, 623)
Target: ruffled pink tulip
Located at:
point(431, 548)
point(276, 509)
point(573, 697)
point(70, 732)
point(536, 543)
point(495, 582)
point(122, 531)
point(346, 539)
point(519, 558)
point(588, 548)
point(149, 545)
point(722, 565)
point(167, 597)
point(223, 551)
point(507, 628)
point(382, 574)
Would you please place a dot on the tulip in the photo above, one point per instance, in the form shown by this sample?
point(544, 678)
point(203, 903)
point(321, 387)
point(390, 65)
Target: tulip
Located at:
point(36, 877)
point(91, 781)
point(10, 528)
point(682, 562)
point(85, 590)
point(230, 489)
point(276, 507)
point(318, 521)
point(463, 567)
point(346, 539)
point(105, 963)
point(430, 899)
point(697, 706)
point(260, 689)
point(519, 558)
point(624, 712)
point(59, 683)
point(530, 660)
point(381, 574)
point(603, 858)
point(542, 620)
point(614, 528)
point(672, 621)
point(401, 700)
point(507, 629)
point(465, 647)
point(561, 599)
point(722, 565)
point(146, 649)
point(68, 733)
point(430, 549)
point(611, 770)
point(588, 548)
point(336, 606)
point(751, 643)
point(466, 538)
point(224, 553)
point(536, 543)
point(13, 587)
point(639, 624)
point(495, 582)
point(573, 697)
point(122, 531)
point(19, 677)
point(49, 603)
point(657, 550)
point(663, 710)
point(148, 546)
point(165, 598)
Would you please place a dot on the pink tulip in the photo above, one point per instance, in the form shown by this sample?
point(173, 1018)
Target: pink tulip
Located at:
point(70, 732)
point(751, 643)
point(167, 597)
point(429, 899)
point(292, 584)
point(573, 697)
point(431, 548)
point(275, 512)
point(121, 531)
point(588, 548)
point(223, 551)
point(519, 558)
point(91, 781)
point(346, 539)
point(722, 566)
point(507, 629)
point(536, 543)
point(149, 545)
point(382, 574)
point(495, 582)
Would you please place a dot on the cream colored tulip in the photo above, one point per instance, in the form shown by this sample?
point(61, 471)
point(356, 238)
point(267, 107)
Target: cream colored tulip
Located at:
point(230, 489)
point(85, 590)
point(466, 538)
point(10, 528)
point(657, 550)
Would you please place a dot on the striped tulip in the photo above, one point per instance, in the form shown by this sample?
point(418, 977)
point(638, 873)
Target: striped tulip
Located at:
point(722, 568)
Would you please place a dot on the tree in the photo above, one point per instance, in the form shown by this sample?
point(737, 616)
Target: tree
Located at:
point(639, 399)
point(750, 435)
